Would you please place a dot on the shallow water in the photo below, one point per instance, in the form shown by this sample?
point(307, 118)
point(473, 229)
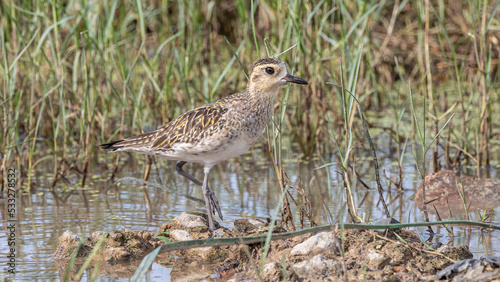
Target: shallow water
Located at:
point(246, 188)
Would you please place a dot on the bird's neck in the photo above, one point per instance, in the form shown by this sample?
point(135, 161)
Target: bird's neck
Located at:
point(251, 112)
point(260, 107)
point(262, 103)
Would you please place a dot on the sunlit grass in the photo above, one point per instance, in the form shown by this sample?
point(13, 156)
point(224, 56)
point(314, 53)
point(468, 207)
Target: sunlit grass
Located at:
point(76, 75)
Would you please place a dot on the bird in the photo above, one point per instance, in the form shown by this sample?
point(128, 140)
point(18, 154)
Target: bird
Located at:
point(215, 132)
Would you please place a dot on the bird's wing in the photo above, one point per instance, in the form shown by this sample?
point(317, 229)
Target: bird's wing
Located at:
point(190, 127)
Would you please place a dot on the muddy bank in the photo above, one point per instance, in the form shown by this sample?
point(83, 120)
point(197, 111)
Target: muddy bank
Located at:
point(444, 191)
point(368, 255)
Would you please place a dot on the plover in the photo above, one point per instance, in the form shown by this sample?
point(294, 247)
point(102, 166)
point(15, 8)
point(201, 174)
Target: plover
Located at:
point(217, 131)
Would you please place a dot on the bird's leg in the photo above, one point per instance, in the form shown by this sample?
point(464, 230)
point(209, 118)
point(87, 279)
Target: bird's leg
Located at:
point(212, 197)
point(205, 189)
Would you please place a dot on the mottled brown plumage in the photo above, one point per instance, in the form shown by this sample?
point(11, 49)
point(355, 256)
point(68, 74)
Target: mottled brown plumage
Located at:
point(217, 131)
point(190, 127)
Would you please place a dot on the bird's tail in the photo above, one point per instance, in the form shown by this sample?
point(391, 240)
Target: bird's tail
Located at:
point(131, 143)
point(113, 146)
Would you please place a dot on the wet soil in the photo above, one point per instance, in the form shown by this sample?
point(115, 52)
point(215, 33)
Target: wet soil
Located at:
point(392, 255)
point(448, 193)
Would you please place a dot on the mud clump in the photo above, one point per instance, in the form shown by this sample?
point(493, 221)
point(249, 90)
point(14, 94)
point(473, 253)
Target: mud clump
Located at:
point(444, 191)
point(367, 255)
point(121, 245)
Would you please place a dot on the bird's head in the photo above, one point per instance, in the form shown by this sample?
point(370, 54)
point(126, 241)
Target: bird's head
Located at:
point(269, 74)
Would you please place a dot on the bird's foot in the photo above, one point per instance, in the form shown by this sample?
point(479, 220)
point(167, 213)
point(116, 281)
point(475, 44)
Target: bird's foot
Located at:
point(215, 203)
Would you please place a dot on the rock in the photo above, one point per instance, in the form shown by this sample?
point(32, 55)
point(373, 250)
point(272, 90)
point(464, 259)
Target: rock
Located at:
point(248, 226)
point(134, 243)
point(193, 222)
point(493, 260)
point(145, 235)
point(483, 269)
point(190, 221)
point(66, 244)
point(257, 223)
point(386, 221)
point(455, 252)
point(204, 253)
point(180, 235)
point(219, 233)
point(271, 272)
point(96, 236)
point(319, 243)
point(318, 267)
point(376, 260)
point(436, 245)
point(119, 245)
point(120, 237)
point(116, 254)
point(227, 268)
point(243, 226)
point(456, 268)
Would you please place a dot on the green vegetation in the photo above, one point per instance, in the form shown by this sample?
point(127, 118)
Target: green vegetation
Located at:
point(76, 74)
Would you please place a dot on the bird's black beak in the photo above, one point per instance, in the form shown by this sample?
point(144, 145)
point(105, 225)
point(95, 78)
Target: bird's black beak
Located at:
point(294, 79)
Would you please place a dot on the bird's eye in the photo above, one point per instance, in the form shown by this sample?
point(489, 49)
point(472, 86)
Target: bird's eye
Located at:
point(269, 70)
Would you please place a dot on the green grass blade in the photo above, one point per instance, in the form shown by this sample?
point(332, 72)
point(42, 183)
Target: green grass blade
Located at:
point(146, 262)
